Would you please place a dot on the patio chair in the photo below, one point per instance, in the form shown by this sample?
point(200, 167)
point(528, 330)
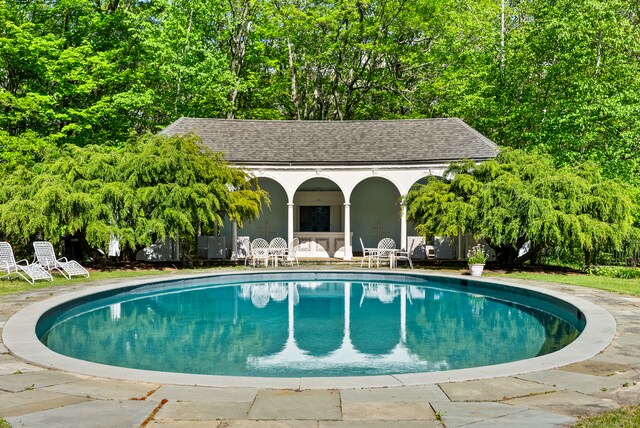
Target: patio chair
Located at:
point(260, 295)
point(259, 251)
point(367, 253)
point(244, 249)
point(386, 251)
point(402, 255)
point(278, 250)
point(28, 272)
point(278, 292)
point(46, 257)
point(292, 254)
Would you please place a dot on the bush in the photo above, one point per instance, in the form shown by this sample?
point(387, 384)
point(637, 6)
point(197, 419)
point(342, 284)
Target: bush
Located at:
point(615, 272)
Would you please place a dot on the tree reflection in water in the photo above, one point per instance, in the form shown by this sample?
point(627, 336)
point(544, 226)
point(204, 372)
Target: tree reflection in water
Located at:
point(308, 329)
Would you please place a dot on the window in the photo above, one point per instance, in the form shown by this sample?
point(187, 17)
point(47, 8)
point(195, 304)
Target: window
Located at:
point(315, 219)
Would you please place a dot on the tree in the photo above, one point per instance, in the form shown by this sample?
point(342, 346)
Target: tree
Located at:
point(521, 198)
point(153, 187)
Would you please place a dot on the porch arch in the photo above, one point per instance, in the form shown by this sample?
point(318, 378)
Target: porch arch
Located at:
point(272, 221)
point(319, 217)
point(376, 203)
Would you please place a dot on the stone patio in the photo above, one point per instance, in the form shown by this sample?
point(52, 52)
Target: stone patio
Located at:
point(32, 396)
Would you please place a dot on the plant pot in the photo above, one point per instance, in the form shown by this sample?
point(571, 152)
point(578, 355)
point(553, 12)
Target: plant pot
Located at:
point(476, 269)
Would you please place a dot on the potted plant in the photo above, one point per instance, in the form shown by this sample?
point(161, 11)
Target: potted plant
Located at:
point(476, 257)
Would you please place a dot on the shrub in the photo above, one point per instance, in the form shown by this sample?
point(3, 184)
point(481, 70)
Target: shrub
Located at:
point(615, 272)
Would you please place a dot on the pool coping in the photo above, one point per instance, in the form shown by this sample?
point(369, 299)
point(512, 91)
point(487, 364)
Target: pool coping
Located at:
point(20, 338)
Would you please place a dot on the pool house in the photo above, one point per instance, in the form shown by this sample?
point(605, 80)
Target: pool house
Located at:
point(334, 183)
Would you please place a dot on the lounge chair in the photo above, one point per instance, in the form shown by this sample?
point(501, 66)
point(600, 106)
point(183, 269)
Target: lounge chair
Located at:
point(46, 257)
point(28, 272)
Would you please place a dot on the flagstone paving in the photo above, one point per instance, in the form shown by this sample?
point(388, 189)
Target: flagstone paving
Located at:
point(31, 396)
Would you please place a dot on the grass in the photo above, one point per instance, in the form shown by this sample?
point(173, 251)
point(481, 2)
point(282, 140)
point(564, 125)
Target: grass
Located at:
point(17, 284)
point(616, 285)
point(624, 417)
point(4, 424)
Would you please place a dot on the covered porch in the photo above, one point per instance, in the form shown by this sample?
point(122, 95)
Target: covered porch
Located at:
point(331, 211)
point(333, 184)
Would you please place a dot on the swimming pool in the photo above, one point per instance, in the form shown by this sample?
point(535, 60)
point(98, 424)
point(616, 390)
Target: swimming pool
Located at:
point(382, 290)
point(311, 324)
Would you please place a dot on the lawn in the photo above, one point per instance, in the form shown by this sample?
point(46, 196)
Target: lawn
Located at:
point(17, 284)
point(616, 285)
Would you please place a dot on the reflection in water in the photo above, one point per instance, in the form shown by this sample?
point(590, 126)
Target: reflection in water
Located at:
point(308, 329)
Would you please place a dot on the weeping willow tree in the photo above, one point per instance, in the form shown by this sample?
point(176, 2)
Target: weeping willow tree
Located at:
point(520, 203)
point(146, 190)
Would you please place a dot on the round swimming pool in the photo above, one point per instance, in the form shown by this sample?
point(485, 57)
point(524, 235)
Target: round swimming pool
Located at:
point(311, 324)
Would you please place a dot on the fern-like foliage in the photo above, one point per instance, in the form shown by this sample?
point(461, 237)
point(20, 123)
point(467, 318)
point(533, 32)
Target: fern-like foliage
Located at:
point(150, 188)
point(523, 198)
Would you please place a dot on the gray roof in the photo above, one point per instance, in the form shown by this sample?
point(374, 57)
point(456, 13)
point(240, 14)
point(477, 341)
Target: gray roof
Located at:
point(288, 142)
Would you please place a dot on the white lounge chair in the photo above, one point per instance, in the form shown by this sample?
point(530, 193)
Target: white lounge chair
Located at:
point(28, 272)
point(46, 257)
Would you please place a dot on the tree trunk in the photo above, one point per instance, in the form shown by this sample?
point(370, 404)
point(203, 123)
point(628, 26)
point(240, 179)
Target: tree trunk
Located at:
point(184, 52)
point(294, 89)
point(239, 26)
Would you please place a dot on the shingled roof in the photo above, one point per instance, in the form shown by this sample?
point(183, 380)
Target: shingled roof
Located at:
point(286, 142)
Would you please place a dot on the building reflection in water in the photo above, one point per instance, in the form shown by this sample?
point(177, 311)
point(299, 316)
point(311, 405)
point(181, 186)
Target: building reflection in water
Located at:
point(346, 354)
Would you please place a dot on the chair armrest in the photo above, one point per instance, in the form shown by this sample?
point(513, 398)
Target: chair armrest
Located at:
point(26, 262)
point(63, 260)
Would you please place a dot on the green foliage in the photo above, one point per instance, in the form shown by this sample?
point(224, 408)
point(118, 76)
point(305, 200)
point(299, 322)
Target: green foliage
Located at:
point(522, 198)
point(561, 76)
point(152, 187)
point(615, 272)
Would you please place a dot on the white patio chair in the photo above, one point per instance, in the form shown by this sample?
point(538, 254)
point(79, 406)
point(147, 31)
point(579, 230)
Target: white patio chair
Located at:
point(386, 251)
point(46, 257)
point(278, 291)
point(28, 272)
point(292, 254)
point(259, 251)
point(278, 250)
point(260, 295)
point(402, 255)
point(367, 253)
point(244, 249)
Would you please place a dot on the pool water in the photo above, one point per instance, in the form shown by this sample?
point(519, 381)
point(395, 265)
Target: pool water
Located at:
point(304, 328)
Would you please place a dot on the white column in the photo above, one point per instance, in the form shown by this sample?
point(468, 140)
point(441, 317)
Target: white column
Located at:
point(403, 226)
point(403, 314)
point(347, 231)
point(347, 309)
point(289, 223)
point(290, 304)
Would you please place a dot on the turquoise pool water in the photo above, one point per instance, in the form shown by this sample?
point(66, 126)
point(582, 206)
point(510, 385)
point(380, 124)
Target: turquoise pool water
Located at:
point(299, 325)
